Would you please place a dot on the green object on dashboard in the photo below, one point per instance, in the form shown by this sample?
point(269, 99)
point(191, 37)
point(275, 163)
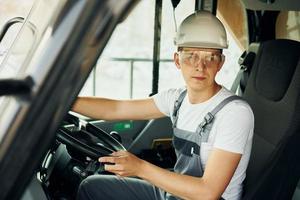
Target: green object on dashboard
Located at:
point(123, 126)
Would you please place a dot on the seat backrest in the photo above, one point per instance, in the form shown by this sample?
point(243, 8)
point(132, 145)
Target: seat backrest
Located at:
point(273, 92)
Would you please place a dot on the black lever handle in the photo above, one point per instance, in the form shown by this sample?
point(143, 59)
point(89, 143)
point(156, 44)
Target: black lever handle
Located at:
point(9, 24)
point(16, 86)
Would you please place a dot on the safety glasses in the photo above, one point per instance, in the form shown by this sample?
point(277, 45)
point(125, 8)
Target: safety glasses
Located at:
point(208, 59)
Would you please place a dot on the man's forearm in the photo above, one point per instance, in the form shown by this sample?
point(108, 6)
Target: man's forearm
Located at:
point(183, 186)
point(109, 109)
point(96, 108)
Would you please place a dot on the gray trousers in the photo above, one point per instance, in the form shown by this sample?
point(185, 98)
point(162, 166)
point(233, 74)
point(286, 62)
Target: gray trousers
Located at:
point(110, 187)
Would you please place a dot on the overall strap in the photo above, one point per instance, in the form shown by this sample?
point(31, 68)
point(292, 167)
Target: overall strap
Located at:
point(209, 117)
point(223, 103)
point(177, 105)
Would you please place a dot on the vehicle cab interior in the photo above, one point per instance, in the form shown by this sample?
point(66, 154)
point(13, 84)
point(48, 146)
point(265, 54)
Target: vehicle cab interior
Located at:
point(54, 51)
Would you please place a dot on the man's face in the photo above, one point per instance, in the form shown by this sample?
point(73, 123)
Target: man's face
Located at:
point(199, 66)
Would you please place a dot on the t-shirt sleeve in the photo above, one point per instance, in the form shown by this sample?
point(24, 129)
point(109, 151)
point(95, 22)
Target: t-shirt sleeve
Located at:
point(165, 100)
point(234, 128)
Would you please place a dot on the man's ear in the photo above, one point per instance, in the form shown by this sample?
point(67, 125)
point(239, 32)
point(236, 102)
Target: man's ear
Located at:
point(221, 63)
point(176, 60)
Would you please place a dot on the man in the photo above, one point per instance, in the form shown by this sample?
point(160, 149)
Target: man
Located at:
point(212, 139)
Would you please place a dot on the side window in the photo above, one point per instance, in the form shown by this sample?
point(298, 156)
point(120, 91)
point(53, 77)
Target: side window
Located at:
point(169, 75)
point(124, 70)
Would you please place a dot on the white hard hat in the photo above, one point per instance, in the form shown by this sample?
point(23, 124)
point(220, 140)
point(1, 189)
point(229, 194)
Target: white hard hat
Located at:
point(203, 30)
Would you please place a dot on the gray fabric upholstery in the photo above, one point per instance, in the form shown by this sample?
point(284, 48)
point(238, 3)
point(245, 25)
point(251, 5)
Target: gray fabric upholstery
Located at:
point(275, 68)
point(273, 92)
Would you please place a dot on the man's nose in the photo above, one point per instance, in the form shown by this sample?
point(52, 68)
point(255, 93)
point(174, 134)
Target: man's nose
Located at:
point(199, 65)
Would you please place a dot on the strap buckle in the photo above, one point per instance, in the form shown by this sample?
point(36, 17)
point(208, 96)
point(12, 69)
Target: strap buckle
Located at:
point(208, 118)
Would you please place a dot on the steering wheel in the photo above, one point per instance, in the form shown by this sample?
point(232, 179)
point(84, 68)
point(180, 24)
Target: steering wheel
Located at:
point(89, 140)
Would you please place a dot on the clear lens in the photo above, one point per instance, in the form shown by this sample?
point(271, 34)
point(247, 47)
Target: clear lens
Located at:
point(207, 58)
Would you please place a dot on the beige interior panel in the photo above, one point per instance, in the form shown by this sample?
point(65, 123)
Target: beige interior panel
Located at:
point(288, 25)
point(233, 15)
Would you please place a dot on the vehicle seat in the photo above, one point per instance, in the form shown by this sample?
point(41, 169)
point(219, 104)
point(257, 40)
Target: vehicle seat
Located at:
point(273, 92)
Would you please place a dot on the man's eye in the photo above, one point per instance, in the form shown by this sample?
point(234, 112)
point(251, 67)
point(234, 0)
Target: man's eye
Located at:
point(209, 58)
point(190, 55)
point(187, 56)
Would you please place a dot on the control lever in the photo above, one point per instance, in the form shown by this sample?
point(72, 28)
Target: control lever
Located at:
point(101, 169)
point(80, 171)
point(93, 167)
point(116, 135)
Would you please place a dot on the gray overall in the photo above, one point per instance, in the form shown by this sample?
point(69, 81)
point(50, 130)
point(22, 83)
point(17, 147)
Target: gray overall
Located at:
point(187, 147)
point(188, 144)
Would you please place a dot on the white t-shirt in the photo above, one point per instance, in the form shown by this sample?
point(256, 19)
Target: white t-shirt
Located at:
point(232, 129)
